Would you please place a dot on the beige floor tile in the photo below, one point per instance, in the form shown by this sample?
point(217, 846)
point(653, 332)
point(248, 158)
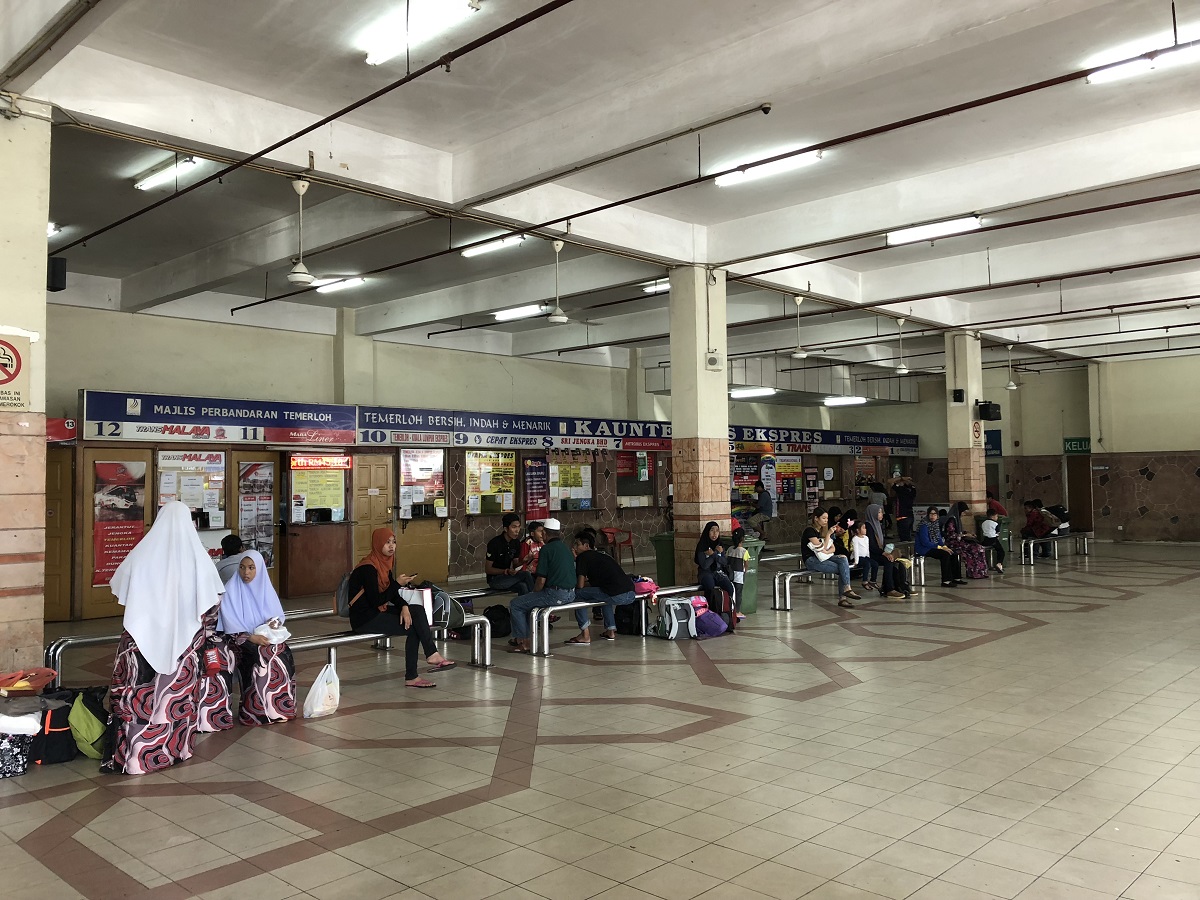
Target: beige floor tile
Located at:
point(853, 840)
point(673, 882)
point(1030, 860)
point(516, 866)
point(950, 840)
point(988, 878)
point(1109, 853)
point(1089, 874)
point(825, 862)
point(466, 884)
point(778, 881)
point(619, 863)
point(364, 885)
point(1048, 889)
point(1154, 887)
point(915, 858)
point(883, 879)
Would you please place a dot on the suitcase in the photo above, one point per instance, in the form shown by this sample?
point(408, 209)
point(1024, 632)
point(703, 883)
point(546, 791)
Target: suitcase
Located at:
point(721, 603)
point(676, 619)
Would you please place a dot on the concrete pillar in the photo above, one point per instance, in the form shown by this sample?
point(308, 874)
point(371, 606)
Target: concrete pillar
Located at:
point(699, 410)
point(354, 365)
point(25, 156)
point(964, 430)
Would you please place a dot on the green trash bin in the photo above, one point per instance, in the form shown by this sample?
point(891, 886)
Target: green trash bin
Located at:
point(664, 557)
point(750, 588)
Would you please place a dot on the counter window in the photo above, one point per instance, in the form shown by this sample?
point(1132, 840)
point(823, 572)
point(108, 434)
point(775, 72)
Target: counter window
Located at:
point(635, 479)
point(197, 479)
point(318, 489)
point(422, 484)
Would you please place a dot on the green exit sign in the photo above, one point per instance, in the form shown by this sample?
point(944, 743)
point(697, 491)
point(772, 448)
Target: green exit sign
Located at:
point(1077, 445)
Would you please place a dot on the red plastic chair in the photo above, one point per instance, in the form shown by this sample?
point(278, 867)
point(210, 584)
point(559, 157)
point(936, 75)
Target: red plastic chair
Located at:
point(616, 542)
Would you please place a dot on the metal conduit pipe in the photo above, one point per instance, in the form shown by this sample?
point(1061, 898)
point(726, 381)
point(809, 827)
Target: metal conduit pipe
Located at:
point(821, 145)
point(443, 62)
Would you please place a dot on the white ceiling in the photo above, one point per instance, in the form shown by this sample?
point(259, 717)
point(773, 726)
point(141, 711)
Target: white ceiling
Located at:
point(592, 79)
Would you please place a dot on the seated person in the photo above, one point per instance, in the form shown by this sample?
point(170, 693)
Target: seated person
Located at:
point(554, 585)
point(901, 573)
point(599, 579)
point(535, 536)
point(1036, 526)
point(227, 566)
point(711, 565)
point(990, 530)
point(377, 607)
point(930, 543)
point(502, 563)
point(996, 505)
point(820, 555)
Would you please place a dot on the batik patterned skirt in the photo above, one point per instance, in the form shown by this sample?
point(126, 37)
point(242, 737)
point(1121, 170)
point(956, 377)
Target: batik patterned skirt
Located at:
point(268, 676)
point(156, 717)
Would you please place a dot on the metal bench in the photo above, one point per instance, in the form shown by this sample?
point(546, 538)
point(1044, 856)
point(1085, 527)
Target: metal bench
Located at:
point(481, 638)
point(786, 579)
point(539, 630)
point(1028, 543)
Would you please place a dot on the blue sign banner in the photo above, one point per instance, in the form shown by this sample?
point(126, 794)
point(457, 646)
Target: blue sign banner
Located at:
point(834, 443)
point(993, 443)
point(114, 416)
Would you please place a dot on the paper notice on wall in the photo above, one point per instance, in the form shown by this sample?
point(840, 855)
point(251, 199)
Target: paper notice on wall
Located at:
point(506, 502)
point(406, 495)
point(440, 509)
point(405, 512)
point(418, 494)
point(191, 490)
point(212, 500)
point(485, 479)
point(216, 518)
point(473, 505)
point(168, 487)
point(299, 508)
point(555, 504)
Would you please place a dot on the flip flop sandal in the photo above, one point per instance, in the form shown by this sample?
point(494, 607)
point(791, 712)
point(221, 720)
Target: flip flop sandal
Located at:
point(420, 683)
point(576, 640)
point(443, 666)
point(519, 650)
point(845, 604)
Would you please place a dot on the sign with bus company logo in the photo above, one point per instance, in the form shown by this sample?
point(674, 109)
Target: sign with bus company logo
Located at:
point(111, 416)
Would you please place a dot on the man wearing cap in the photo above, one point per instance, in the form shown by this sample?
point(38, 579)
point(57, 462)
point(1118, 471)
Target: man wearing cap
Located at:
point(553, 586)
point(501, 563)
point(231, 546)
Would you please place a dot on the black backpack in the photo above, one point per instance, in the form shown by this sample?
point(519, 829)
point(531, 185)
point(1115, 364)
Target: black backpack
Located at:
point(627, 618)
point(501, 621)
point(55, 743)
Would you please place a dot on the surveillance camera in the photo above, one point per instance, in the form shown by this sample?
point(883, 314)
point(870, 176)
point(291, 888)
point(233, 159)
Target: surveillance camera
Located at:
point(766, 109)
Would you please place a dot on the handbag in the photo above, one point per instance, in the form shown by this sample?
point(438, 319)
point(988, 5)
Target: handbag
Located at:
point(422, 597)
point(324, 695)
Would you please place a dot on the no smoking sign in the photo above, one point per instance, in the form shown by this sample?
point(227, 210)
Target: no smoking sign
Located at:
point(14, 372)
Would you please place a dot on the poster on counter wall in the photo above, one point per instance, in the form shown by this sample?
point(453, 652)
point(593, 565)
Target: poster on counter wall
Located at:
point(491, 482)
point(744, 471)
point(119, 504)
point(422, 479)
point(537, 490)
point(256, 508)
point(789, 471)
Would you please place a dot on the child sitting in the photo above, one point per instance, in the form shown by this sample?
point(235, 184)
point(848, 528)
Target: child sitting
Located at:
point(991, 537)
point(531, 547)
point(862, 556)
point(739, 558)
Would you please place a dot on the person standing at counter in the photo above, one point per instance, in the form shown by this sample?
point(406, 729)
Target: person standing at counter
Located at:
point(502, 564)
point(171, 594)
point(377, 607)
point(905, 493)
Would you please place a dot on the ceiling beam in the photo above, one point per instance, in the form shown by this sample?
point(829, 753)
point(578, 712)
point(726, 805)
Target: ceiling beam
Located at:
point(590, 273)
point(269, 246)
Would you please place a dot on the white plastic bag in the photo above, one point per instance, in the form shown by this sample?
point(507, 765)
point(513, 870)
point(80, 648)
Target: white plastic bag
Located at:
point(323, 696)
point(422, 597)
point(276, 635)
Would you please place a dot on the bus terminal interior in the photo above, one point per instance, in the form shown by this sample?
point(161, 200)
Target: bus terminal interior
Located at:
point(315, 269)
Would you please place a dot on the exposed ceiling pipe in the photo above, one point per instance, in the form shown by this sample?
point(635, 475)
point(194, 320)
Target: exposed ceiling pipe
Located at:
point(1037, 220)
point(443, 62)
point(822, 145)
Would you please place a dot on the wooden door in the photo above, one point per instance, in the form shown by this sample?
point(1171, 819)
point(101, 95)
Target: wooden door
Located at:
point(1079, 493)
point(117, 508)
point(374, 498)
point(60, 505)
point(253, 513)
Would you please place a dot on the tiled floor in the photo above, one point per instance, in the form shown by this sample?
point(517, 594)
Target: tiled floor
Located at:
point(1035, 736)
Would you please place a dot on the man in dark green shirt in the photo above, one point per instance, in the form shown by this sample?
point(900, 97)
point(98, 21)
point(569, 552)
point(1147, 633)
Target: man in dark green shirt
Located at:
point(554, 584)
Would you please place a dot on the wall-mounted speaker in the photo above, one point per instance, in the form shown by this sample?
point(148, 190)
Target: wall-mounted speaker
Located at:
point(958, 395)
point(56, 273)
point(989, 412)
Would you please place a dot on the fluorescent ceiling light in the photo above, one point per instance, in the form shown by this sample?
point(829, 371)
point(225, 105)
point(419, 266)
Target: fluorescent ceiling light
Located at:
point(1165, 60)
point(333, 285)
point(52, 229)
point(746, 393)
point(494, 245)
point(519, 312)
point(657, 287)
point(1160, 44)
point(165, 174)
point(413, 24)
point(766, 170)
point(845, 401)
point(933, 230)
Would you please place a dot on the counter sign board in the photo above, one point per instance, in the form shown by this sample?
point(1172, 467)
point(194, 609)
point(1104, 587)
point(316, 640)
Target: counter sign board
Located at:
point(14, 372)
point(112, 416)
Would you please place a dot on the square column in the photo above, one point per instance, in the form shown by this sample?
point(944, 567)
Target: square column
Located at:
point(25, 156)
point(964, 430)
point(699, 410)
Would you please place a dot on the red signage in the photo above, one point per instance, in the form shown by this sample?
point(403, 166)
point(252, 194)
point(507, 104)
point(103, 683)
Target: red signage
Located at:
point(321, 462)
point(59, 430)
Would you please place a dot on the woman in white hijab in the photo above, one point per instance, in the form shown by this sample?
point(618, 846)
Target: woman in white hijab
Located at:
point(252, 620)
point(171, 594)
